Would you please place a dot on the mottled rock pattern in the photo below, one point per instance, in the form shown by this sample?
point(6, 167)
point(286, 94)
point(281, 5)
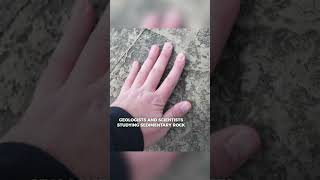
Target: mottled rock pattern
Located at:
point(133, 44)
point(270, 78)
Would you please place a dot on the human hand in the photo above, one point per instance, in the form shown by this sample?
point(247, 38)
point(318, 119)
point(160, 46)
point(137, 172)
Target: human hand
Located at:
point(67, 117)
point(142, 98)
point(141, 164)
point(233, 146)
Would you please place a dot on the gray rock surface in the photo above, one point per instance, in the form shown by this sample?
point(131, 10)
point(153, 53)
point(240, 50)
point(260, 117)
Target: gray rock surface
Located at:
point(133, 44)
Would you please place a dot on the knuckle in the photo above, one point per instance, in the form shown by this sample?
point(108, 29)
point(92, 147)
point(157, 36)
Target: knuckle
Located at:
point(166, 54)
point(177, 112)
point(156, 70)
point(151, 57)
point(158, 101)
point(170, 80)
point(142, 71)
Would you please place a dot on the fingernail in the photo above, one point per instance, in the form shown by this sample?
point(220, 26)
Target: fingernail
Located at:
point(185, 107)
point(154, 47)
point(241, 145)
point(135, 63)
point(181, 56)
point(168, 45)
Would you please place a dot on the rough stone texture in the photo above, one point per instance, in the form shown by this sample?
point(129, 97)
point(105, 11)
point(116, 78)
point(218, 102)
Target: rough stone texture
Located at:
point(133, 44)
point(270, 78)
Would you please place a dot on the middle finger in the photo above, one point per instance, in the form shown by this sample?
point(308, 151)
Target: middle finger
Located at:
point(158, 69)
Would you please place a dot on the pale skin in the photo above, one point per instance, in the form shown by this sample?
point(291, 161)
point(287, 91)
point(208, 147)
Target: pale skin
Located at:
point(141, 96)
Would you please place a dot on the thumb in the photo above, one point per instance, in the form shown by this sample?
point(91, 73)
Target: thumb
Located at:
point(152, 135)
point(230, 148)
point(178, 110)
